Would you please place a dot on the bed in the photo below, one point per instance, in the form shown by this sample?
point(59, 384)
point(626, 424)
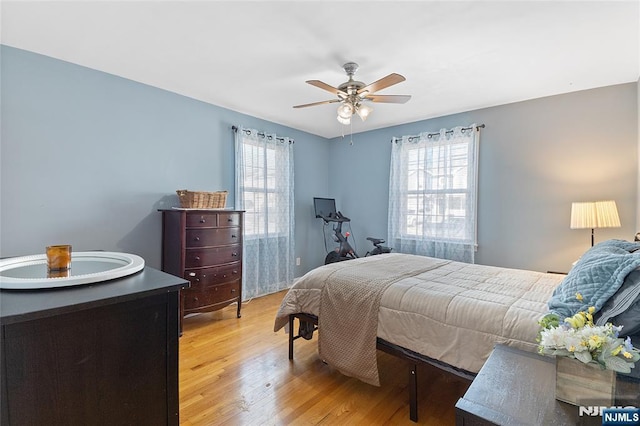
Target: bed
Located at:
point(447, 313)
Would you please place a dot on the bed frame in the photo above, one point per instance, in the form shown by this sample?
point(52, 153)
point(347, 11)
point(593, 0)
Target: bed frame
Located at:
point(412, 357)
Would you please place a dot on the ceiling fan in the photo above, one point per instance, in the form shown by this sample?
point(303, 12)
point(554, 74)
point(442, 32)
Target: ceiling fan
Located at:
point(352, 94)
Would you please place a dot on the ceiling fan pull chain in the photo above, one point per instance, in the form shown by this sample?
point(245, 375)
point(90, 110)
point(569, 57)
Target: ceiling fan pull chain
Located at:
point(351, 136)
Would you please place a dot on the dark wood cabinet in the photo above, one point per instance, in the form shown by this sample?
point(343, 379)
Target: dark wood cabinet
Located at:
point(514, 388)
point(99, 354)
point(518, 388)
point(204, 247)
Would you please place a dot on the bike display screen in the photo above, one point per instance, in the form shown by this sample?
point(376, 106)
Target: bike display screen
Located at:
point(324, 206)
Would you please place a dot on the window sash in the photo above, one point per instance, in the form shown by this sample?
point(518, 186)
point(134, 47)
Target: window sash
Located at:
point(262, 192)
point(433, 188)
point(436, 191)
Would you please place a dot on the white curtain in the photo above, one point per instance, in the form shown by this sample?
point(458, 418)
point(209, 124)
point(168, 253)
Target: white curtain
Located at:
point(433, 193)
point(264, 189)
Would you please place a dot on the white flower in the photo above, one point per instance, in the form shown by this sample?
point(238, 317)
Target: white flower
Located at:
point(553, 338)
point(577, 337)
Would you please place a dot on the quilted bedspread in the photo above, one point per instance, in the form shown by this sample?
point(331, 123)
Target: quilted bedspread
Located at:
point(351, 295)
point(450, 311)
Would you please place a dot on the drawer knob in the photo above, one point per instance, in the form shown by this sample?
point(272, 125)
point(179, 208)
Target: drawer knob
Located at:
point(202, 219)
point(197, 258)
point(233, 236)
point(234, 254)
point(230, 220)
point(192, 274)
point(224, 275)
point(233, 290)
point(235, 271)
point(196, 239)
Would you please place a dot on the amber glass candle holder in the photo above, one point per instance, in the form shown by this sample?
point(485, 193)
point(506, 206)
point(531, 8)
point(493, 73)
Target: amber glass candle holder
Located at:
point(58, 259)
point(59, 274)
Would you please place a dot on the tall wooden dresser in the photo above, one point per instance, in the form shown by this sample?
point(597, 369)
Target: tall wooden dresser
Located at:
point(205, 248)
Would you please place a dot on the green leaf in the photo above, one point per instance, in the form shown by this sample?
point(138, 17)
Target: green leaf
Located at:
point(558, 352)
point(617, 364)
point(549, 321)
point(584, 356)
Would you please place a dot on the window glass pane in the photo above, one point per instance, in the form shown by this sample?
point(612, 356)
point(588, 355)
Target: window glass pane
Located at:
point(436, 190)
point(264, 194)
point(270, 173)
point(254, 206)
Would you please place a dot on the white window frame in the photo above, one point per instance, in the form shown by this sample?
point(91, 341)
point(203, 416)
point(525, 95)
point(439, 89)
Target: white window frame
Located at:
point(431, 180)
point(266, 189)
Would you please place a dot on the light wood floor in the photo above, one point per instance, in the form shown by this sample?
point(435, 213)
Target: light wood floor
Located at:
point(237, 372)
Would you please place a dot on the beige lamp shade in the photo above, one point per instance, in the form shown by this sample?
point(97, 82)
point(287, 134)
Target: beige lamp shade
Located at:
point(583, 215)
point(594, 214)
point(607, 214)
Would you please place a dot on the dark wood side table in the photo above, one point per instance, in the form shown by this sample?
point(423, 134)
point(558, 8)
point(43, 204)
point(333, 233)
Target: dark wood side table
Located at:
point(97, 354)
point(518, 388)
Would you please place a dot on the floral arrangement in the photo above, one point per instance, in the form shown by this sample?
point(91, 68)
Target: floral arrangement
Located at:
point(577, 337)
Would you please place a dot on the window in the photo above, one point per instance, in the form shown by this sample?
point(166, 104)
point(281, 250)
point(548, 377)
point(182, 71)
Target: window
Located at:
point(264, 189)
point(263, 193)
point(437, 188)
point(432, 194)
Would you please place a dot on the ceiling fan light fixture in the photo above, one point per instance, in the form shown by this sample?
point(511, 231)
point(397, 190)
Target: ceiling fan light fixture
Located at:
point(352, 94)
point(363, 110)
point(345, 121)
point(345, 110)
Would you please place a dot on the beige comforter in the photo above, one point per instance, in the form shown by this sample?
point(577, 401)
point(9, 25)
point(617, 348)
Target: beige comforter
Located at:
point(450, 311)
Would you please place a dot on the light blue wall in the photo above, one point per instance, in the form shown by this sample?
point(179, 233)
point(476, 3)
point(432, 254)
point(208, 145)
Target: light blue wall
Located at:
point(638, 178)
point(87, 158)
point(536, 157)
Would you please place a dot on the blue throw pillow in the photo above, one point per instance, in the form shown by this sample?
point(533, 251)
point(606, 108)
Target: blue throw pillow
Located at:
point(623, 308)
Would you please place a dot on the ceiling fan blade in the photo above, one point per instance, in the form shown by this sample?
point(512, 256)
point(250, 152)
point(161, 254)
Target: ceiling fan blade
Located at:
point(327, 87)
point(383, 83)
point(317, 103)
point(389, 99)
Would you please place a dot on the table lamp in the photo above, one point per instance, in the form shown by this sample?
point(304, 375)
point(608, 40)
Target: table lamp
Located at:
point(594, 214)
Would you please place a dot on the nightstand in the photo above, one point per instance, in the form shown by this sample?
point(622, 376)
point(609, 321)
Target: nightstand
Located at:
point(515, 387)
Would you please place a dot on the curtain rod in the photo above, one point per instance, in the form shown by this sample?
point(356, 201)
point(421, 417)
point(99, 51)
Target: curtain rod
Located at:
point(261, 134)
point(429, 135)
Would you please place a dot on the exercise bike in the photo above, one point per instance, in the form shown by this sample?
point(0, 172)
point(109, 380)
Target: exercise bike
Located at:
point(345, 251)
point(378, 247)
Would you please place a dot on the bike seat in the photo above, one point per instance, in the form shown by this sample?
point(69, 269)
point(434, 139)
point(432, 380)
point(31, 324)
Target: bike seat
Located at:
point(375, 240)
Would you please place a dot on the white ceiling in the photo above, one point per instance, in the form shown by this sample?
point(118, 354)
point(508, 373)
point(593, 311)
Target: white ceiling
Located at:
point(254, 57)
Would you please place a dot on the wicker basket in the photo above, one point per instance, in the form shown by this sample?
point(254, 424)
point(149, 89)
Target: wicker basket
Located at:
point(202, 200)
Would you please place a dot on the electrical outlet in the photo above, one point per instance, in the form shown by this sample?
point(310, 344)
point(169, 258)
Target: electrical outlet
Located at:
point(297, 261)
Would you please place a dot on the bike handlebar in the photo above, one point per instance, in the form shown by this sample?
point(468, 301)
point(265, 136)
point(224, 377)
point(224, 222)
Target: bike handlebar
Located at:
point(339, 217)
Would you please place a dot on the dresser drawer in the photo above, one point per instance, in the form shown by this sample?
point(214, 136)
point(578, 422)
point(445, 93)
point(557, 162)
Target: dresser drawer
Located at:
point(203, 277)
point(202, 220)
point(211, 295)
point(199, 257)
point(203, 237)
point(228, 219)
